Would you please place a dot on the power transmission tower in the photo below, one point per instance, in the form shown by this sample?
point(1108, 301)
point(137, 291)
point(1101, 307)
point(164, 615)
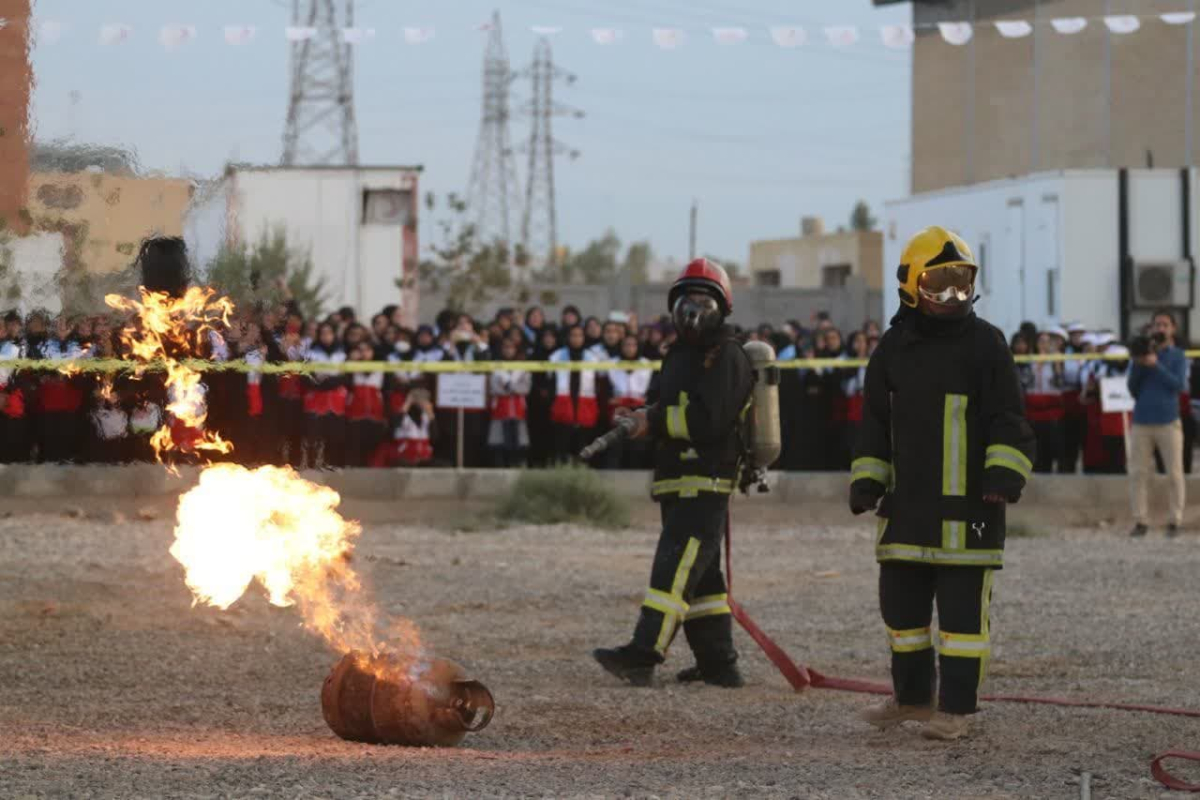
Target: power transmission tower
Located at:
point(321, 128)
point(539, 225)
point(492, 197)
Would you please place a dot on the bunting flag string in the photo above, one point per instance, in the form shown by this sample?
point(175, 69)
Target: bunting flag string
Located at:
point(173, 36)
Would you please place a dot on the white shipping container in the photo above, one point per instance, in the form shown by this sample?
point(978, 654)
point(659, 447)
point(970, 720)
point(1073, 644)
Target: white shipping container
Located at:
point(358, 224)
point(1049, 244)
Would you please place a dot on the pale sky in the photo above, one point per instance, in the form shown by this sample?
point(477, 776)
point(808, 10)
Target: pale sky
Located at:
point(758, 134)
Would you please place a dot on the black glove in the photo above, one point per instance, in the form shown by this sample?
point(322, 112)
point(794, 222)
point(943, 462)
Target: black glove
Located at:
point(1003, 482)
point(865, 494)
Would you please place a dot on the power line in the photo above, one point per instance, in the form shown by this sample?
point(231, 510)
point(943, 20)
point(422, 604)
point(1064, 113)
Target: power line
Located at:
point(539, 225)
point(321, 126)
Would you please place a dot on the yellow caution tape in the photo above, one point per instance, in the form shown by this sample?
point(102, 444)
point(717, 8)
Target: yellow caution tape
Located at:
point(112, 365)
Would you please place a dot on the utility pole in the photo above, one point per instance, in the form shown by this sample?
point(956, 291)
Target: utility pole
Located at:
point(492, 197)
point(539, 225)
point(692, 231)
point(321, 126)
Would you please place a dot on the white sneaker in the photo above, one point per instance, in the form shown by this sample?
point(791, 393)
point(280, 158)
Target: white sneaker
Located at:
point(889, 714)
point(946, 727)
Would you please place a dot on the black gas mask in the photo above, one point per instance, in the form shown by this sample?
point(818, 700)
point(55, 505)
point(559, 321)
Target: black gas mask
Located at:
point(696, 315)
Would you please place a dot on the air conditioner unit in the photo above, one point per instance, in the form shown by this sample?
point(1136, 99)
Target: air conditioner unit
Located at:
point(386, 207)
point(1162, 284)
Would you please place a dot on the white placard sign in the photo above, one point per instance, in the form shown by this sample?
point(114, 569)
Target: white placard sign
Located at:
point(462, 390)
point(1115, 396)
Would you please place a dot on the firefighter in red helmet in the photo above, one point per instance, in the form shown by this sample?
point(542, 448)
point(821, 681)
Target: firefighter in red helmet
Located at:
point(695, 423)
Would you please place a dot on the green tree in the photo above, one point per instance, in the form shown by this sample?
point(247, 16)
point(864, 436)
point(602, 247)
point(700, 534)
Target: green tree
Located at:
point(268, 272)
point(861, 219)
point(470, 271)
point(637, 262)
point(595, 263)
point(59, 155)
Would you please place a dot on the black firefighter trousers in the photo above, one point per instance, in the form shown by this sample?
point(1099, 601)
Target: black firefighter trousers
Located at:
point(686, 584)
point(907, 593)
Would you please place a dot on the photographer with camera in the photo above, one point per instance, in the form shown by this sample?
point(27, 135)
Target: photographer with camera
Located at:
point(1156, 379)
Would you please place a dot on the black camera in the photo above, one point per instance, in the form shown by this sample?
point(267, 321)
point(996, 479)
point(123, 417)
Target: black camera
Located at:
point(1142, 346)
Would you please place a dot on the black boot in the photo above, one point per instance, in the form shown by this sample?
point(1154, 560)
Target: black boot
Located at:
point(726, 675)
point(632, 665)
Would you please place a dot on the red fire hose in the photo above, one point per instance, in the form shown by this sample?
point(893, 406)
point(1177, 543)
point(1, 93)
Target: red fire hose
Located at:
point(801, 677)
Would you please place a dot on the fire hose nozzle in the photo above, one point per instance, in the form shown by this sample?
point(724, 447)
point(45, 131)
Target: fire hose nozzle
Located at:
point(623, 430)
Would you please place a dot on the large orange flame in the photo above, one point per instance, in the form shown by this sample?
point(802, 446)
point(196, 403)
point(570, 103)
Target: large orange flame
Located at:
point(163, 330)
point(269, 525)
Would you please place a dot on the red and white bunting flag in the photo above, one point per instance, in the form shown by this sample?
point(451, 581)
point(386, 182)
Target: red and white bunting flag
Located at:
point(240, 34)
point(484, 26)
point(668, 38)
point(842, 35)
point(1013, 28)
point(295, 33)
point(175, 35)
point(115, 33)
point(730, 35)
point(1178, 17)
point(1122, 23)
point(418, 35)
point(789, 36)
point(897, 37)
point(1068, 25)
point(357, 35)
point(49, 32)
point(546, 30)
point(956, 33)
point(606, 35)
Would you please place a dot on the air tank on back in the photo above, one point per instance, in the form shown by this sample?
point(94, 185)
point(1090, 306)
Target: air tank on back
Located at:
point(762, 424)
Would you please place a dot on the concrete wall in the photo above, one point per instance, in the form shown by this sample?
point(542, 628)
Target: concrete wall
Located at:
point(1097, 495)
point(999, 107)
point(35, 261)
point(848, 306)
point(117, 212)
point(800, 261)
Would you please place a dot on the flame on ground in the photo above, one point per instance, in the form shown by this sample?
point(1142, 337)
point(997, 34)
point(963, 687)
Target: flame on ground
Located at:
point(269, 525)
point(166, 329)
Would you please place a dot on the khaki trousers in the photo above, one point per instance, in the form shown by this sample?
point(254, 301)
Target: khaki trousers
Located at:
point(1169, 441)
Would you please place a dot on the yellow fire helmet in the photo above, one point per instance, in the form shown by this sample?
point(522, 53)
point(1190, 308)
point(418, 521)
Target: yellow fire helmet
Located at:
point(931, 249)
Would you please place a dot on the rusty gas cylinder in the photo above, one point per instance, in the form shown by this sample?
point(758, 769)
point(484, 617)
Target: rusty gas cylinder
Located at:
point(415, 702)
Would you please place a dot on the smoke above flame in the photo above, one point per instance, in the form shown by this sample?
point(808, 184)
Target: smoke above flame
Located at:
point(270, 526)
point(163, 330)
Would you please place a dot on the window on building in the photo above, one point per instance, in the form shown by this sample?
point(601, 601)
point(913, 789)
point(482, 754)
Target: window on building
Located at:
point(1051, 293)
point(767, 277)
point(386, 207)
point(834, 275)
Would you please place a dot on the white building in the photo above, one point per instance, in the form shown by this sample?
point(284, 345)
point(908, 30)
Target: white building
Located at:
point(358, 223)
point(1105, 247)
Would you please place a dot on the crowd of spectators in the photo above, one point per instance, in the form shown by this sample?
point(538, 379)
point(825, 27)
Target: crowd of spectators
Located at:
point(333, 419)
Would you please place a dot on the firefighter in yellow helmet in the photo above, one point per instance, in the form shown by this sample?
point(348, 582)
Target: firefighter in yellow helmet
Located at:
point(944, 445)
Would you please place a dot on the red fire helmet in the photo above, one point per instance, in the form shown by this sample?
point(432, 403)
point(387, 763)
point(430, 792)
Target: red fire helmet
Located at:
point(706, 275)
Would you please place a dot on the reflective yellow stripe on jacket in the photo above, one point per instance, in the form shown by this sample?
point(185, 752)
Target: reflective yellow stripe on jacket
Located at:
point(677, 427)
point(691, 486)
point(939, 555)
point(1001, 455)
point(874, 468)
point(954, 446)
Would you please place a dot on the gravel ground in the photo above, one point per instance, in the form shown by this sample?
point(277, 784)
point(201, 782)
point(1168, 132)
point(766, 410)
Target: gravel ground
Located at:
point(115, 686)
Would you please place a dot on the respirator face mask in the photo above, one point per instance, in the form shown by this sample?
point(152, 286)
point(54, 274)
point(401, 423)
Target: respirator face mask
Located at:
point(947, 286)
point(695, 314)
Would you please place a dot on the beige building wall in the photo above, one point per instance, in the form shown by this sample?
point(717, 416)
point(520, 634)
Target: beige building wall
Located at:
point(998, 107)
point(800, 262)
point(118, 212)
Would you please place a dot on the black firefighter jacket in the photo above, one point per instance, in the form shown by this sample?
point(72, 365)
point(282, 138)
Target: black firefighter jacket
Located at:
point(703, 393)
point(942, 426)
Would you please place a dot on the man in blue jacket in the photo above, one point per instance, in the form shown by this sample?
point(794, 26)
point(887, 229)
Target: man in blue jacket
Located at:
point(1156, 380)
